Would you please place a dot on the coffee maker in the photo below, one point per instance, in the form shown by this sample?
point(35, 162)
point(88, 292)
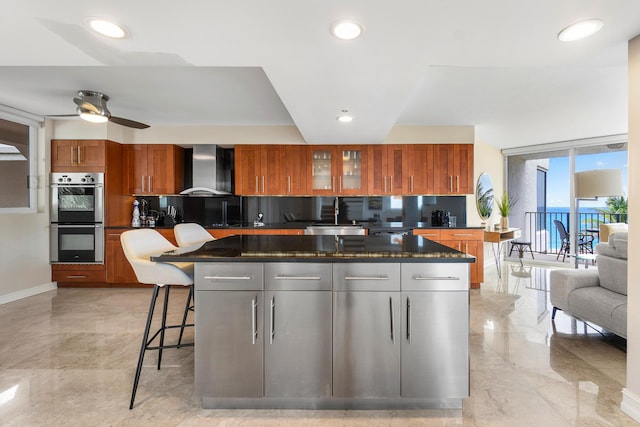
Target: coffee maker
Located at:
point(440, 218)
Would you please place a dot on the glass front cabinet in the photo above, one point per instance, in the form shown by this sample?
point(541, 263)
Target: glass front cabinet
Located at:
point(338, 170)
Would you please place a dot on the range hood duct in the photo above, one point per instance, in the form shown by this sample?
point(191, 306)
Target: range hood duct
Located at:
point(212, 171)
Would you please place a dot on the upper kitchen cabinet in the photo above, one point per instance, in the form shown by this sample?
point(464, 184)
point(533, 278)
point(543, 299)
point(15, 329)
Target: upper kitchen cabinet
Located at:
point(453, 168)
point(419, 166)
point(387, 165)
point(68, 155)
point(337, 170)
point(296, 167)
point(260, 170)
point(153, 168)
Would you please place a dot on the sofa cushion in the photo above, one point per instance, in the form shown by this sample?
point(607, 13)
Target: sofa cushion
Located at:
point(605, 230)
point(616, 246)
point(600, 306)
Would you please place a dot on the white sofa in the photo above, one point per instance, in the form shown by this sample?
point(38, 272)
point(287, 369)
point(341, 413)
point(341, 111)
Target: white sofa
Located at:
point(597, 295)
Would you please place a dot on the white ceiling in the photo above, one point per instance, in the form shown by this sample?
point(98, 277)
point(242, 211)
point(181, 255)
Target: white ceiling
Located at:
point(494, 64)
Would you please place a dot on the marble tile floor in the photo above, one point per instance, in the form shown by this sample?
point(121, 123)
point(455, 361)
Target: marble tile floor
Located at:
point(67, 358)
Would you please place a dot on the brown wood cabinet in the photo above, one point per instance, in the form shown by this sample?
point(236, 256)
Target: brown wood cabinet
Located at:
point(419, 166)
point(260, 170)
point(470, 241)
point(78, 275)
point(69, 155)
point(453, 168)
point(337, 170)
point(296, 165)
point(153, 168)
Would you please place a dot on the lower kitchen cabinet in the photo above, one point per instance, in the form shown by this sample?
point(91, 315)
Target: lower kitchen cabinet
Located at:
point(118, 268)
point(78, 275)
point(297, 344)
point(366, 330)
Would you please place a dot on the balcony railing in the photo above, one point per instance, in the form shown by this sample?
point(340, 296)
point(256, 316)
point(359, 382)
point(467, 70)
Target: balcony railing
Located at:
point(541, 231)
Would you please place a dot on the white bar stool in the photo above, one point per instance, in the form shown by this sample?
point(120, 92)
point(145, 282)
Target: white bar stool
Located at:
point(191, 234)
point(138, 246)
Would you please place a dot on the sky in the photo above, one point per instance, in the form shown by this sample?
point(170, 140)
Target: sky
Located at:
point(558, 176)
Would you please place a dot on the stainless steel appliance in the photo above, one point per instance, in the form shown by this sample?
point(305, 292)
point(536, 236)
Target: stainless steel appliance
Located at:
point(77, 215)
point(77, 197)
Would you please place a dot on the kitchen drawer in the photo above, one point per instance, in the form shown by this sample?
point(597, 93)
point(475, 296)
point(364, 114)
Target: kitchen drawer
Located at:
point(229, 276)
point(78, 273)
point(461, 234)
point(299, 276)
point(427, 233)
point(366, 277)
point(435, 277)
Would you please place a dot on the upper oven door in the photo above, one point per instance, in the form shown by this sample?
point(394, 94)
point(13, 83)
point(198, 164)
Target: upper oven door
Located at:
point(77, 203)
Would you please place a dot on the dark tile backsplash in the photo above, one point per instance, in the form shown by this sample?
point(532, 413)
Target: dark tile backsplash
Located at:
point(230, 210)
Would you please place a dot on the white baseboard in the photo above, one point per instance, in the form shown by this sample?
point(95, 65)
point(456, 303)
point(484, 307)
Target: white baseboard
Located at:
point(630, 404)
point(14, 296)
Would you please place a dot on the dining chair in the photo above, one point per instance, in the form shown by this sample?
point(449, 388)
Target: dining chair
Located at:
point(190, 233)
point(138, 246)
point(585, 242)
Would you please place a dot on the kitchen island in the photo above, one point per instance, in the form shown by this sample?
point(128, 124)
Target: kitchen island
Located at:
point(327, 322)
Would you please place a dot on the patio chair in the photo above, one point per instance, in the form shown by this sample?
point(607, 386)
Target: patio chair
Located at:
point(585, 241)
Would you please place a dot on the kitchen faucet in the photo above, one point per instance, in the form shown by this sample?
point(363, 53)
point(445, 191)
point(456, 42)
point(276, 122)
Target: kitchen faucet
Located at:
point(336, 211)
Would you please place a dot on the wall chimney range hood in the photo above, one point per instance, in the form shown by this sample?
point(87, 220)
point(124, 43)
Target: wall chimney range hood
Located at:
point(211, 171)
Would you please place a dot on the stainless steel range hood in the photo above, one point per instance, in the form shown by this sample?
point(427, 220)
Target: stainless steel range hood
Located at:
point(212, 170)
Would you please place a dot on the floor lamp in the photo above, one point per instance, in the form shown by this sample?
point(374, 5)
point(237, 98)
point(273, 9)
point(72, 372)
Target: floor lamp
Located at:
point(589, 186)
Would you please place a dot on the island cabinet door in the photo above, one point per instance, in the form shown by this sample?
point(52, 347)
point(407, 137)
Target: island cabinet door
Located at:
point(229, 343)
point(366, 345)
point(297, 344)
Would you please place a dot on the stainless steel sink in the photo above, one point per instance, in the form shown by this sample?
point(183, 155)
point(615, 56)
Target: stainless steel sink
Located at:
point(332, 229)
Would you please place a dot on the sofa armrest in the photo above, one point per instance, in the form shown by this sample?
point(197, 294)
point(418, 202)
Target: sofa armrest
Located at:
point(563, 282)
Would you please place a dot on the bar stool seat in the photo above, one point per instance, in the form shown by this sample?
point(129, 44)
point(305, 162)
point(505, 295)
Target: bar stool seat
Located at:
point(138, 245)
point(521, 246)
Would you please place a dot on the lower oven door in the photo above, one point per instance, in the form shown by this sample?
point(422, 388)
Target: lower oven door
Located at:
point(77, 243)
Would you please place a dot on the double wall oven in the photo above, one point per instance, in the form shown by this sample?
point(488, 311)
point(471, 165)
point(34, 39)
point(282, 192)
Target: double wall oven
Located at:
point(77, 217)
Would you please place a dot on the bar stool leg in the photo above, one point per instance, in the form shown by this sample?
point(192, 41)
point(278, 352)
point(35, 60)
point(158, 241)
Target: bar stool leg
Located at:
point(164, 323)
point(145, 337)
point(184, 317)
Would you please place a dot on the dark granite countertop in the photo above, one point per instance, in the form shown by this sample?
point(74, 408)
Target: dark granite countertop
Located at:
point(379, 226)
point(283, 248)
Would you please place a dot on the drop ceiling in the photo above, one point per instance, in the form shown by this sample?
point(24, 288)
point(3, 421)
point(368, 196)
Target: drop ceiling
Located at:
point(495, 65)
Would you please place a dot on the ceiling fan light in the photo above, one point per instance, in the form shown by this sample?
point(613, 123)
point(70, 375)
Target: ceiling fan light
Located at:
point(106, 28)
point(93, 117)
point(347, 30)
point(580, 30)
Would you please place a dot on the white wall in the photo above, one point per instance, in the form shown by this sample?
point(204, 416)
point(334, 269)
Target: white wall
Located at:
point(631, 394)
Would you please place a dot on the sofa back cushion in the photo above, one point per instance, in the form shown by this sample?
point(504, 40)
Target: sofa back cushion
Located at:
point(608, 229)
point(612, 263)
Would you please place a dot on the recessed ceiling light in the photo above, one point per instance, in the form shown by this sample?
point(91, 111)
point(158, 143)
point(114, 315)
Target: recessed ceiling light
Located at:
point(345, 118)
point(347, 30)
point(580, 30)
point(106, 28)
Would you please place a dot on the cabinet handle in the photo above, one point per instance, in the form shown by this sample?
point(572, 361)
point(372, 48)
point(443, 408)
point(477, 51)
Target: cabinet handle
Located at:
point(227, 277)
point(76, 277)
point(459, 247)
point(409, 320)
point(257, 188)
point(462, 234)
point(435, 278)
point(283, 277)
point(391, 184)
point(142, 178)
point(72, 156)
point(263, 183)
point(457, 183)
point(150, 187)
point(466, 247)
point(78, 154)
point(114, 234)
point(254, 320)
point(385, 184)
point(288, 184)
point(366, 277)
point(393, 338)
point(451, 183)
point(411, 183)
point(333, 183)
point(271, 323)
point(340, 184)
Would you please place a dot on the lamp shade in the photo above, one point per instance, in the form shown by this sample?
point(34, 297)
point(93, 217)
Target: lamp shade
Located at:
point(598, 183)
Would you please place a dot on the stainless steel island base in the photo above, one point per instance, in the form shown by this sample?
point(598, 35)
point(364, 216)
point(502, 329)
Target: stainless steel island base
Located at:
point(332, 335)
point(330, 404)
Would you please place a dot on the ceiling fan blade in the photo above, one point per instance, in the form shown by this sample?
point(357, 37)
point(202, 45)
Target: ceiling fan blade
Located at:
point(86, 105)
point(128, 123)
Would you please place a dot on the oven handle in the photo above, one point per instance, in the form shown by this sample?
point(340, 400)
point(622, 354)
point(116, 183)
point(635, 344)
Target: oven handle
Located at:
point(76, 185)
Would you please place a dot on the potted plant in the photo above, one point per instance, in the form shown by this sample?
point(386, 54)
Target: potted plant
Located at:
point(504, 207)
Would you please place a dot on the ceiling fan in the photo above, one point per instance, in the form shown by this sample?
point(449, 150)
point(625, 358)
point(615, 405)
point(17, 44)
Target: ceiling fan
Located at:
point(92, 106)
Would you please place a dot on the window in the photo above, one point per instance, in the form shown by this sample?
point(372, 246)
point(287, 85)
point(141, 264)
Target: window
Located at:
point(18, 170)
